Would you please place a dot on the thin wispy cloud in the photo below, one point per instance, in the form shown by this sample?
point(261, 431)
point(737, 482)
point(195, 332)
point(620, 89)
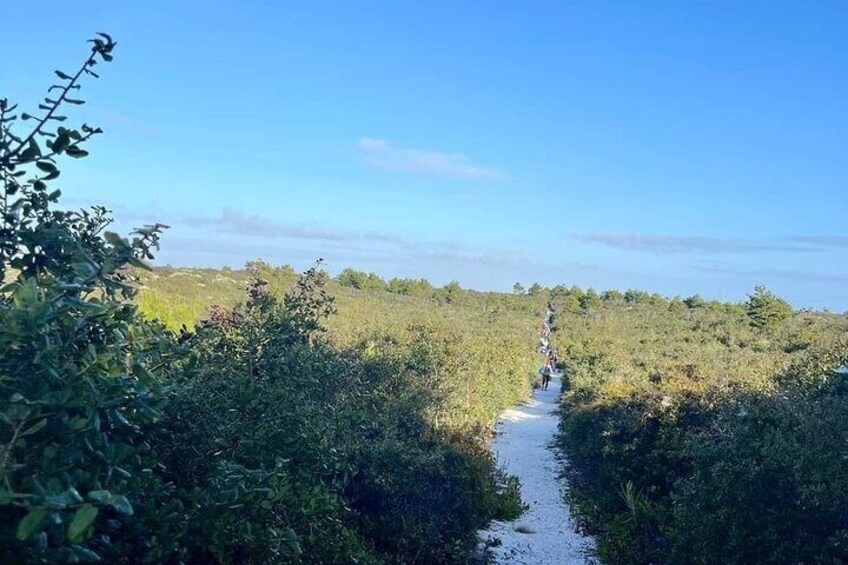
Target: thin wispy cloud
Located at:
point(234, 222)
point(233, 236)
point(381, 155)
point(770, 274)
point(682, 244)
point(829, 241)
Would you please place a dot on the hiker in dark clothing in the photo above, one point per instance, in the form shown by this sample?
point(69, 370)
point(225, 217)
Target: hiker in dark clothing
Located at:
point(547, 372)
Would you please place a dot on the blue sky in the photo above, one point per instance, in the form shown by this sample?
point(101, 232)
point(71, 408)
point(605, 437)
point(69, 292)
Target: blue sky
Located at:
point(678, 147)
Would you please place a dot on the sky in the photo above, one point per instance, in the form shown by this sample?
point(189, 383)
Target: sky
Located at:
point(677, 147)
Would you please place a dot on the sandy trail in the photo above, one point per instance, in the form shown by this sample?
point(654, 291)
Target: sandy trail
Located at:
point(523, 447)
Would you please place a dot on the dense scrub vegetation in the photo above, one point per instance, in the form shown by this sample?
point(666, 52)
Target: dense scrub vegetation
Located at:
point(702, 432)
point(488, 337)
point(260, 416)
point(278, 425)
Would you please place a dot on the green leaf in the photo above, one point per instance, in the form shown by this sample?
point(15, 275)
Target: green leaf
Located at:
point(32, 522)
point(32, 151)
point(61, 143)
point(62, 500)
point(75, 152)
point(123, 473)
point(83, 554)
point(74, 495)
point(113, 238)
point(101, 496)
point(83, 519)
point(34, 428)
point(121, 418)
point(121, 504)
point(78, 423)
point(62, 75)
point(46, 166)
point(25, 116)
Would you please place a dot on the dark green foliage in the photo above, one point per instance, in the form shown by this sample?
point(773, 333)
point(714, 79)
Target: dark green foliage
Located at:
point(360, 280)
point(536, 290)
point(694, 301)
point(636, 296)
point(410, 287)
point(773, 491)
point(450, 293)
point(765, 309)
point(695, 438)
point(258, 437)
point(612, 296)
point(338, 442)
point(590, 300)
point(79, 370)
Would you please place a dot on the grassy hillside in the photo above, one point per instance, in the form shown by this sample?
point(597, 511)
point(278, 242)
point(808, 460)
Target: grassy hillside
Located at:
point(700, 434)
point(492, 336)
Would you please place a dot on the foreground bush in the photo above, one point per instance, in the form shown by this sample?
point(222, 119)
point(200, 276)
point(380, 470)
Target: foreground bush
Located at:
point(79, 370)
point(252, 439)
point(345, 462)
point(698, 437)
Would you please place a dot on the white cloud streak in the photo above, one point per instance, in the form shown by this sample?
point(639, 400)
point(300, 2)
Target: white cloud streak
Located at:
point(687, 244)
point(381, 155)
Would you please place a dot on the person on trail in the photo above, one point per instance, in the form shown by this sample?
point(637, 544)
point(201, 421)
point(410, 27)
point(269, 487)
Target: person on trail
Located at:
point(547, 371)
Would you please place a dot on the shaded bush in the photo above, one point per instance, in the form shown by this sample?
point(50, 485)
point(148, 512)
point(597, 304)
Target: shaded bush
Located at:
point(253, 435)
point(695, 438)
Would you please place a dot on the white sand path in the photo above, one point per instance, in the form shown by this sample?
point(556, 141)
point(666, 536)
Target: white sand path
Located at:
point(523, 447)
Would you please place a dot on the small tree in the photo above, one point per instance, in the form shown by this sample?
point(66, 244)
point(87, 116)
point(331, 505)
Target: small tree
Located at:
point(361, 280)
point(419, 287)
point(694, 301)
point(518, 288)
point(78, 368)
point(351, 278)
point(632, 296)
point(612, 296)
point(535, 289)
point(451, 292)
point(590, 300)
point(765, 309)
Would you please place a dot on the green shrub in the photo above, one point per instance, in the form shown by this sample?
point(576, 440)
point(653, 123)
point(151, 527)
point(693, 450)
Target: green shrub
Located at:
point(254, 435)
point(696, 438)
point(767, 310)
point(348, 434)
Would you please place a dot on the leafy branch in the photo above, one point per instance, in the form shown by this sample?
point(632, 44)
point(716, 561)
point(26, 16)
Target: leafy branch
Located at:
point(27, 149)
